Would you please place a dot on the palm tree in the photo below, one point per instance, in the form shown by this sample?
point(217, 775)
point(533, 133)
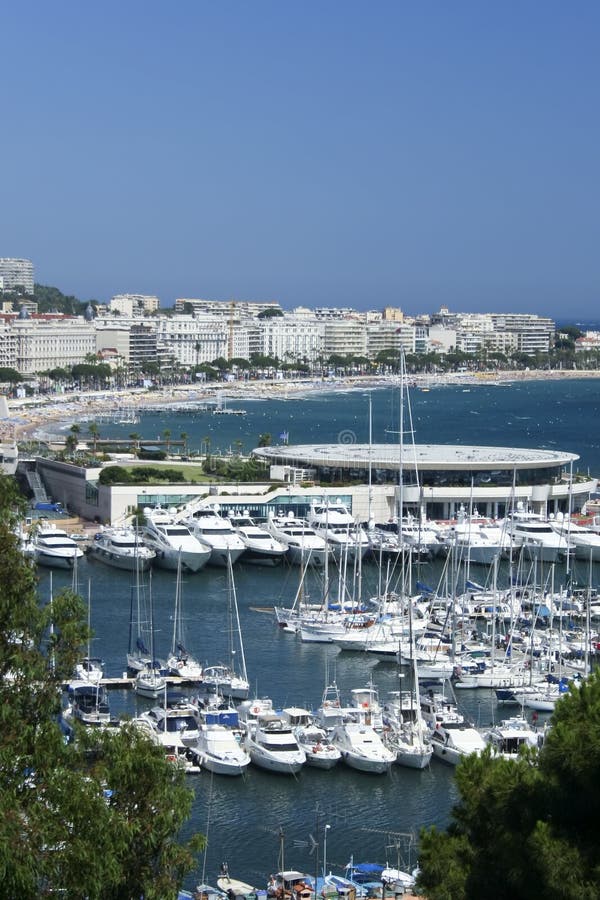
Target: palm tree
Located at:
point(206, 442)
point(135, 437)
point(71, 443)
point(184, 438)
point(167, 437)
point(95, 433)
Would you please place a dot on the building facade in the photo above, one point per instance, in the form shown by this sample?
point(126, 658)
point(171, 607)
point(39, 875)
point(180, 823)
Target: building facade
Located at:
point(16, 273)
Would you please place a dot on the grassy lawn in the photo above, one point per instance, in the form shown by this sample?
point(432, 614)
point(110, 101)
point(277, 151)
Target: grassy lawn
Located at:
point(191, 473)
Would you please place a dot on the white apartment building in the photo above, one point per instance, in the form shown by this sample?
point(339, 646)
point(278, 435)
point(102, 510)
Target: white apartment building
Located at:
point(342, 337)
point(533, 333)
point(134, 304)
point(42, 344)
point(8, 345)
point(16, 273)
point(292, 338)
point(226, 308)
point(191, 340)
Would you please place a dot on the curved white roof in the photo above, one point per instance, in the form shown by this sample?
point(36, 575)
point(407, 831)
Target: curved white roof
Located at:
point(424, 456)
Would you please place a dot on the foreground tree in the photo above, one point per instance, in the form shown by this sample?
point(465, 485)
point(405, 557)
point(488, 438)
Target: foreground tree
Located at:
point(525, 828)
point(95, 818)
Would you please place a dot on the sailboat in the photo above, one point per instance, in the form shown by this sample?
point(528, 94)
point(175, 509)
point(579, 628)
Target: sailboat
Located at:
point(138, 654)
point(89, 668)
point(149, 681)
point(225, 678)
point(180, 661)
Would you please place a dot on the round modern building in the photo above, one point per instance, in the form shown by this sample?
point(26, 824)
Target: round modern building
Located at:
point(435, 480)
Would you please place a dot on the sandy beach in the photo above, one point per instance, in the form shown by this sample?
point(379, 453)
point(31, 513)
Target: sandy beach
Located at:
point(31, 417)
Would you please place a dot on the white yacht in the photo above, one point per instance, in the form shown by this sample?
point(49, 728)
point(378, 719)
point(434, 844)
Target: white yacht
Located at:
point(172, 540)
point(453, 737)
point(536, 537)
point(51, 546)
point(177, 721)
point(302, 542)
point(585, 540)
point(423, 535)
point(261, 548)
point(334, 522)
point(476, 543)
point(121, 548)
point(362, 748)
point(272, 745)
point(88, 704)
point(507, 737)
point(213, 529)
point(220, 750)
point(314, 740)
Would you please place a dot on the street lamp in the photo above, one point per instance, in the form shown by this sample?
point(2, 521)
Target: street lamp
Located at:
point(327, 827)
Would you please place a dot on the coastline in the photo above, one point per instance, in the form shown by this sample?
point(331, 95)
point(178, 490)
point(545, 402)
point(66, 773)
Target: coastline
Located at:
point(30, 416)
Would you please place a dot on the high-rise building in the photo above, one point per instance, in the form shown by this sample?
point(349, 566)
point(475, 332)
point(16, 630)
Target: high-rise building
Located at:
point(16, 273)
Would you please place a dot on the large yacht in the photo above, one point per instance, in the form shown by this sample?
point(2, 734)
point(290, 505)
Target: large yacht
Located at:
point(51, 546)
point(272, 745)
point(213, 529)
point(303, 544)
point(261, 547)
point(536, 537)
point(172, 541)
point(362, 748)
point(121, 548)
point(335, 523)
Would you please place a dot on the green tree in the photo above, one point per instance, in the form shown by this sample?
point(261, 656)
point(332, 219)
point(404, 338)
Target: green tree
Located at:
point(528, 827)
point(97, 818)
point(9, 376)
point(95, 433)
point(71, 443)
point(167, 437)
point(264, 440)
point(136, 438)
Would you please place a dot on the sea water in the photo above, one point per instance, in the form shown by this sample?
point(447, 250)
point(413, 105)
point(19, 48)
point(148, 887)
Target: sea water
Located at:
point(372, 817)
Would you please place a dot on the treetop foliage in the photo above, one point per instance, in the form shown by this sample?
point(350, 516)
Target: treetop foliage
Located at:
point(95, 818)
point(528, 827)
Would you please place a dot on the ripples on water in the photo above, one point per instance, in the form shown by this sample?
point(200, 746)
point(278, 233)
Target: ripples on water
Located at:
point(246, 814)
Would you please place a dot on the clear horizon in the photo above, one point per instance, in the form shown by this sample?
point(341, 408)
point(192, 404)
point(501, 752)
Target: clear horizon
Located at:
point(317, 155)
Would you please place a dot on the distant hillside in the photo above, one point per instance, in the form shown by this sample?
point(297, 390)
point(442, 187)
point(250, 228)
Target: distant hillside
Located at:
point(50, 299)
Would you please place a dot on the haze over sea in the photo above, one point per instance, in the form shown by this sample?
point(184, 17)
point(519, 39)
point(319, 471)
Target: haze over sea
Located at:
point(366, 813)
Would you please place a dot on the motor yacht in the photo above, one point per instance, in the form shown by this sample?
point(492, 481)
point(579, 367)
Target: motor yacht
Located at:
point(51, 546)
point(88, 704)
point(585, 540)
point(334, 522)
point(272, 745)
point(220, 750)
point(261, 548)
point(179, 720)
point(122, 548)
point(172, 541)
point(217, 532)
point(536, 537)
point(452, 736)
point(302, 542)
point(508, 736)
point(313, 739)
point(362, 748)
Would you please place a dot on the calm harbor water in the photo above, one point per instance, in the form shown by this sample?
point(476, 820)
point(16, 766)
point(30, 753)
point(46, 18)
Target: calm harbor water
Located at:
point(367, 814)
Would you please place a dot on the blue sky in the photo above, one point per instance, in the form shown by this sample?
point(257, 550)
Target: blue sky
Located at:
point(337, 153)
